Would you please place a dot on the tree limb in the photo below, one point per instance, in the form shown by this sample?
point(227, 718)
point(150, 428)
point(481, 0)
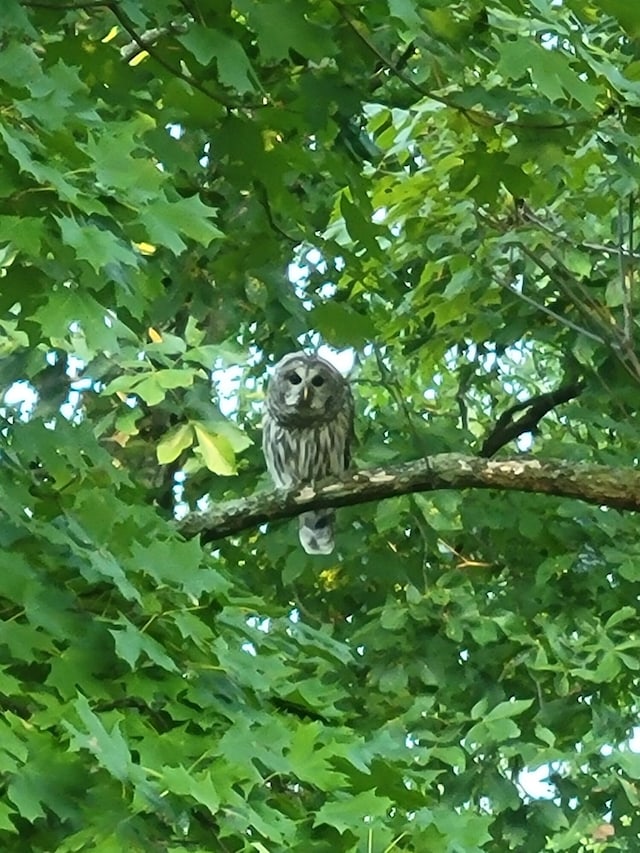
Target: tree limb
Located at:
point(59, 7)
point(596, 484)
point(506, 428)
point(477, 117)
point(174, 70)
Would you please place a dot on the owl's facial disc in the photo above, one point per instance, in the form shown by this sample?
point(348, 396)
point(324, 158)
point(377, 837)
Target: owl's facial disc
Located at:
point(306, 389)
point(301, 387)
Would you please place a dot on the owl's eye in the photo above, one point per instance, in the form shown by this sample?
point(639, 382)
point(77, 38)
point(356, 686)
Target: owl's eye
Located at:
point(293, 378)
point(317, 380)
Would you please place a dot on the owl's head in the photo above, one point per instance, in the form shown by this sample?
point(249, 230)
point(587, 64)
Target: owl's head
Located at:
point(305, 389)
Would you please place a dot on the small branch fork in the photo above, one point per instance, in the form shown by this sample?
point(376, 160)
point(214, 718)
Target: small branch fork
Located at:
point(508, 428)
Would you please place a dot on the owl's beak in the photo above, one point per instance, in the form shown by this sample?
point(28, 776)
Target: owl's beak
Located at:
point(305, 394)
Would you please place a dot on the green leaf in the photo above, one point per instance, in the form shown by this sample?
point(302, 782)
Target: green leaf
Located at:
point(281, 26)
point(100, 566)
point(310, 762)
point(352, 812)
point(25, 233)
point(166, 220)
point(53, 96)
point(152, 386)
point(451, 755)
point(93, 244)
point(549, 68)
point(465, 830)
point(512, 708)
point(118, 165)
point(620, 616)
point(234, 68)
point(19, 65)
point(11, 743)
point(25, 149)
point(393, 616)
point(171, 561)
point(26, 792)
point(630, 569)
point(341, 325)
point(217, 452)
point(131, 643)
point(109, 748)
point(496, 724)
point(625, 13)
point(405, 11)
point(627, 761)
point(6, 824)
point(199, 786)
point(173, 443)
point(237, 438)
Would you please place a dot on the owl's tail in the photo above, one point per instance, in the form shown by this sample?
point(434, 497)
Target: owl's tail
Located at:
point(316, 531)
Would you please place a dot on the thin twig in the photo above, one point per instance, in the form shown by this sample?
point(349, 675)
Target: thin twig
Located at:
point(475, 116)
point(570, 285)
point(263, 197)
point(390, 382)
point(387, 62)
point(612, 336)
point(563, 320)
point(176, 72)
point(150, 37)
point(530, 218)
point(632, 257)
point(625, 283)
point(623, 352)
point(464, 378)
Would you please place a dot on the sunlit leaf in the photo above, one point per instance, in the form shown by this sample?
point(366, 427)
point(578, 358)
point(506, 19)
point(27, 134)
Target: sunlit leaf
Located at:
point(217, 452)
point(174, 443)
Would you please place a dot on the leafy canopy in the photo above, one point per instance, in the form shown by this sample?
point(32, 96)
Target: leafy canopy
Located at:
point(188, 190)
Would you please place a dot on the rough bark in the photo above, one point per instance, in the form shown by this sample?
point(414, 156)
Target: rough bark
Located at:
point(597, 484)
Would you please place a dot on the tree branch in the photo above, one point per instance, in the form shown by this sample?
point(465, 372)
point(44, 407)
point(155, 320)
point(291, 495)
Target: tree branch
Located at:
point(625, 275)
point(477, 117)
point(596, 484)
point(558, 231)
point(559, 317)
point(61, 7)
point(506, 428)
point(174, 70)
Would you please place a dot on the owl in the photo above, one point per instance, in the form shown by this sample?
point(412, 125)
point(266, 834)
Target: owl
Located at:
point(307, 432)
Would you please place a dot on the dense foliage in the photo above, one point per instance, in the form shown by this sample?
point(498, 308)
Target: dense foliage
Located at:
point(448, 192)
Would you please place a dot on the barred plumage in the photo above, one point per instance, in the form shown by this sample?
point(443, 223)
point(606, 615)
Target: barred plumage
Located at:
point(308, 427)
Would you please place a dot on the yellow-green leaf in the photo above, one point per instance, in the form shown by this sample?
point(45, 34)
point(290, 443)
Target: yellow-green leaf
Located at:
point(217, 452)
point(174, 442)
